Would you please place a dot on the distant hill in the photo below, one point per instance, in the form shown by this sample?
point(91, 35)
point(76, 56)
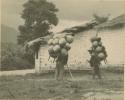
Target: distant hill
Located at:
point(8, 34)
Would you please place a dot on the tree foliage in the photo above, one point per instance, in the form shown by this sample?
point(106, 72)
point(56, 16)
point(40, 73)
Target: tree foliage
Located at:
point(13, 57)
point(39, 16)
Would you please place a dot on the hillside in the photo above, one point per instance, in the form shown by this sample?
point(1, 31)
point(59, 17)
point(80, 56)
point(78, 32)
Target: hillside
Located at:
point(8, 34)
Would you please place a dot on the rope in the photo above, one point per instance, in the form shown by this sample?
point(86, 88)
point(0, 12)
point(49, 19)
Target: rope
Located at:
point(70, 72)
point(97, 32)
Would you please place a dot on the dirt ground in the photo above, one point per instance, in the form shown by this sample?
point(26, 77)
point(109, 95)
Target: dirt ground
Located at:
point(45, 87)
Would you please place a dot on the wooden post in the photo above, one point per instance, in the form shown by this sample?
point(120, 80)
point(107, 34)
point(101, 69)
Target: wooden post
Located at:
point(37, 69)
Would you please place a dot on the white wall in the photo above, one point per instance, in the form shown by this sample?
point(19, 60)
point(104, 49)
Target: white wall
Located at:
point(42, 62)
point(112, 40)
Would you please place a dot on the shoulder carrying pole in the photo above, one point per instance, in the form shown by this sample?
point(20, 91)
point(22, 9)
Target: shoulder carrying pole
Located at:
point(69, 71)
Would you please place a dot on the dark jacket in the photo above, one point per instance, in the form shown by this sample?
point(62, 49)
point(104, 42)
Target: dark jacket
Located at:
point(94, 61)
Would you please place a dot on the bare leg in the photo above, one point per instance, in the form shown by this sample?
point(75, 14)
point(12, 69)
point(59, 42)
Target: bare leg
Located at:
point(56, 74)
point(94, 72)
point(98, 72)
point(61, 72)
point(57, 71)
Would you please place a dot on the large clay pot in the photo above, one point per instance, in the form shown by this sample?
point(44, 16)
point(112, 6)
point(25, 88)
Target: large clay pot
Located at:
point(56, 41)
point(95, 44)
point(56, 48)
point(64, 52)
point(95, 38)
point(69, 38)
point(101, 55)
point(50, 50)
point(62, 41)
point(67, 46)
point(50, 42)
point(99, 48)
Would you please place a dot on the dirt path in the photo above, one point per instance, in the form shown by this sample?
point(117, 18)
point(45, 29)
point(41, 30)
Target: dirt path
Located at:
point(105, 95)
point(17, 72)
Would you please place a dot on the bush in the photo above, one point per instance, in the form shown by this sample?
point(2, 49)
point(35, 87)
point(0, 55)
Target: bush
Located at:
point(13, 57)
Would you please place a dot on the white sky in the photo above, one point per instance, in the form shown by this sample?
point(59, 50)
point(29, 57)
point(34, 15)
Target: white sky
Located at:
point(70, 11)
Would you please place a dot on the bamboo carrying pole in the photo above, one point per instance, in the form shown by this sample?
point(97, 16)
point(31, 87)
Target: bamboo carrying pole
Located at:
point(66, 66)
point(69, 71)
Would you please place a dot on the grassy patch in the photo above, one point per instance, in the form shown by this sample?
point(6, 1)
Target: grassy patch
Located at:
point(44, 86)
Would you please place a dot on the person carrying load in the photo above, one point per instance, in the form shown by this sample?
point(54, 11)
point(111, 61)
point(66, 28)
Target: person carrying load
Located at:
point(59, 45)
point(98, 54)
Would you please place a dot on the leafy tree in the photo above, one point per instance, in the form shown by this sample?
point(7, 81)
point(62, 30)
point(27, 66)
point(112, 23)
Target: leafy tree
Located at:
point(13, 57)
point(39, 16)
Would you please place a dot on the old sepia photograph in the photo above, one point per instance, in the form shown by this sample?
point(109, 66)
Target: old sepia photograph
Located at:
point(62, 49)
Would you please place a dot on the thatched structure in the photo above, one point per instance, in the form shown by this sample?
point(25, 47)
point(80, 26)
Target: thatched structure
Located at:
point(81, 28)
point(41, 40)
point(117, 22)
point(34, 45)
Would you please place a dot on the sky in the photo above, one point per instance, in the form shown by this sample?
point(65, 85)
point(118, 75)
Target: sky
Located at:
point(71, 12)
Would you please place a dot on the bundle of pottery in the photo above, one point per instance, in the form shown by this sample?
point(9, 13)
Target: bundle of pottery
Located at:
point(60, 44)
point(97, 48)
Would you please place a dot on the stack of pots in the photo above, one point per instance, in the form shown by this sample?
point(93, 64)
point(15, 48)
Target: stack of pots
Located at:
point(59, 44)
point(97, 48)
